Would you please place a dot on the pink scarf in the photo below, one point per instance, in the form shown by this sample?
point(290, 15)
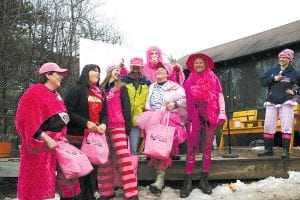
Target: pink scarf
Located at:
point(96, 91)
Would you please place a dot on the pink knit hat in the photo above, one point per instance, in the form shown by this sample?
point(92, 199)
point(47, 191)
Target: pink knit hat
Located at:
point(52, 67)
point(112, 67)
point(287, 53)
point(137, 62)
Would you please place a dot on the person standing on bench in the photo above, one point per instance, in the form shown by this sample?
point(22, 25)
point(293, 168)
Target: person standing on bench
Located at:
point(280, 81)
point(205, 109)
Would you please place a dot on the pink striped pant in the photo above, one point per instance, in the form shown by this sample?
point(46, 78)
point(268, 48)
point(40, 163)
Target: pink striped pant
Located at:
point(286, 115)
point(105, 172)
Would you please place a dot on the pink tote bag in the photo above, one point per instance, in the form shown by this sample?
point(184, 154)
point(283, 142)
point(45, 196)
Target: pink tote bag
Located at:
point(73, 162)
point(159, 140)
point(95, 146)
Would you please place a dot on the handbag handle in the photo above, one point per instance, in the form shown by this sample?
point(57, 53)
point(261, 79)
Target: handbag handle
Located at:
point(168, 118)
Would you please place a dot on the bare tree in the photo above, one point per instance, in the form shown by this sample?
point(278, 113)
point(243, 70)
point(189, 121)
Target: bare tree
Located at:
point(33, 32)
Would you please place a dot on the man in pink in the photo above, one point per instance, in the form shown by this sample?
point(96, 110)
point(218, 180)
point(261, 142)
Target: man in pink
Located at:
point(153, 57)
point(205, 110)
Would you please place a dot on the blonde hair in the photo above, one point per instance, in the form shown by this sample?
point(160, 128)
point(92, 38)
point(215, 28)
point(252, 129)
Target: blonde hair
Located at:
point(105, 82)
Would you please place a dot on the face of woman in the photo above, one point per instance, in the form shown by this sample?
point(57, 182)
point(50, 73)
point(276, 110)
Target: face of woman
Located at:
point(284, 61)
point(94, 76)
point(161, 74)
point(54, 80)
point(199, 65)
point(115, 74)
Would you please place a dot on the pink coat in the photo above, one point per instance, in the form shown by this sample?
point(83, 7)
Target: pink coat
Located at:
point(38, 165)
point(173, 92)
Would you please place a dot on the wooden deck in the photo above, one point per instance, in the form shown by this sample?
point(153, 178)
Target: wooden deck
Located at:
point(246, 166)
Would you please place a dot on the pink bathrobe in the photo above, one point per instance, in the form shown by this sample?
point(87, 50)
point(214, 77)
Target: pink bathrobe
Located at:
point(38, 165)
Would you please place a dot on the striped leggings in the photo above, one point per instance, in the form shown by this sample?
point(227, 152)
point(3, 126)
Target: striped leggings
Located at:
point(105, 171)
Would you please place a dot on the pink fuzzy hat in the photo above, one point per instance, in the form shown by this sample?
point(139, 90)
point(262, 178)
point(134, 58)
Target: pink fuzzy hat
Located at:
point(287, 53)
point(112, 67)
point(137, 62)
point(52, 67)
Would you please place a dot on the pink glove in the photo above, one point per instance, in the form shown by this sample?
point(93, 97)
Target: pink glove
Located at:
point(222, 118)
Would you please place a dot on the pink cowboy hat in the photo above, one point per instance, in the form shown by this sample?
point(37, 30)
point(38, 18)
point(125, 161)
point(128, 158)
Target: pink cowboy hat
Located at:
point(192, 57)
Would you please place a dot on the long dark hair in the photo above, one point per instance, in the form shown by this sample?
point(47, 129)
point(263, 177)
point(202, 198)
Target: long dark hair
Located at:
point(84, 77)
point(83, 80)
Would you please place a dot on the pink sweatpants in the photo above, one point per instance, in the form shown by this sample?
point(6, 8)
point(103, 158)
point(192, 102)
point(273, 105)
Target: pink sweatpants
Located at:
point(286, 115)
point(105, 171)
point(206, 154)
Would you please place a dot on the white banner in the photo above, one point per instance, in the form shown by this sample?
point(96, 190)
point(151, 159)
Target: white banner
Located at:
point(104, 54)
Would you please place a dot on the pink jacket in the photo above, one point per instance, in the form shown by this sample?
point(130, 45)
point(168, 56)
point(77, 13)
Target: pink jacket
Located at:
point(114, 108)
point(173, 92)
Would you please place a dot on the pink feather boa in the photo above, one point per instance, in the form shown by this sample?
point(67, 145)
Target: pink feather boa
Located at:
point(206, 87)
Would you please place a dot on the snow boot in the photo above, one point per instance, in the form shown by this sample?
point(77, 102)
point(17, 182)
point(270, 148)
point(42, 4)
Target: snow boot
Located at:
point(159, 183)
point(268, 147)
point(204, 185)
point(286, 149)
point(187, 187)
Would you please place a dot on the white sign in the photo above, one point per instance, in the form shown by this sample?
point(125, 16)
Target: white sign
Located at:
point(104, 54)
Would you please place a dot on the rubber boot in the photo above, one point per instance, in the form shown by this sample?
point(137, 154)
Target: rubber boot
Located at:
point(286, 148)
point(268, 148)
point(187, 187)
point(159, 183)
point(204, 185)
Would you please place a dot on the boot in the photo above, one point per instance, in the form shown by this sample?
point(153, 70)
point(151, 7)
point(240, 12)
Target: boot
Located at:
point(286, 149)
point(204, 185)
point(268, 148)
point(187, 187)
point(159, 183)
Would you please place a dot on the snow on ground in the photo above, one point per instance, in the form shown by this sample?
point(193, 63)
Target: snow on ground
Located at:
point(267, 189)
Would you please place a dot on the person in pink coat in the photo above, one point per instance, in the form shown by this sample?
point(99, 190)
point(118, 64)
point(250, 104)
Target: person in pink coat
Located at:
point(164, 97)
point(205, 110)
point(41, 120)
point(154, 56)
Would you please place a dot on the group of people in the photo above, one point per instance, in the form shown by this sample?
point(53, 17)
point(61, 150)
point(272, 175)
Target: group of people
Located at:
point(115, 108)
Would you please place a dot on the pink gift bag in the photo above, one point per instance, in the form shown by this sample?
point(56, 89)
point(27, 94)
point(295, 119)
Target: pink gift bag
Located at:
point(159, 140)
point(95, 146)
point(73, 162)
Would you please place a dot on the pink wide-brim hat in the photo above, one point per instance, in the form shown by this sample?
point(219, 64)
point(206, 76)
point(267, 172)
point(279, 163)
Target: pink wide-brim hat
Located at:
point(137, 62)
point(192, 57)
point(52, 67)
